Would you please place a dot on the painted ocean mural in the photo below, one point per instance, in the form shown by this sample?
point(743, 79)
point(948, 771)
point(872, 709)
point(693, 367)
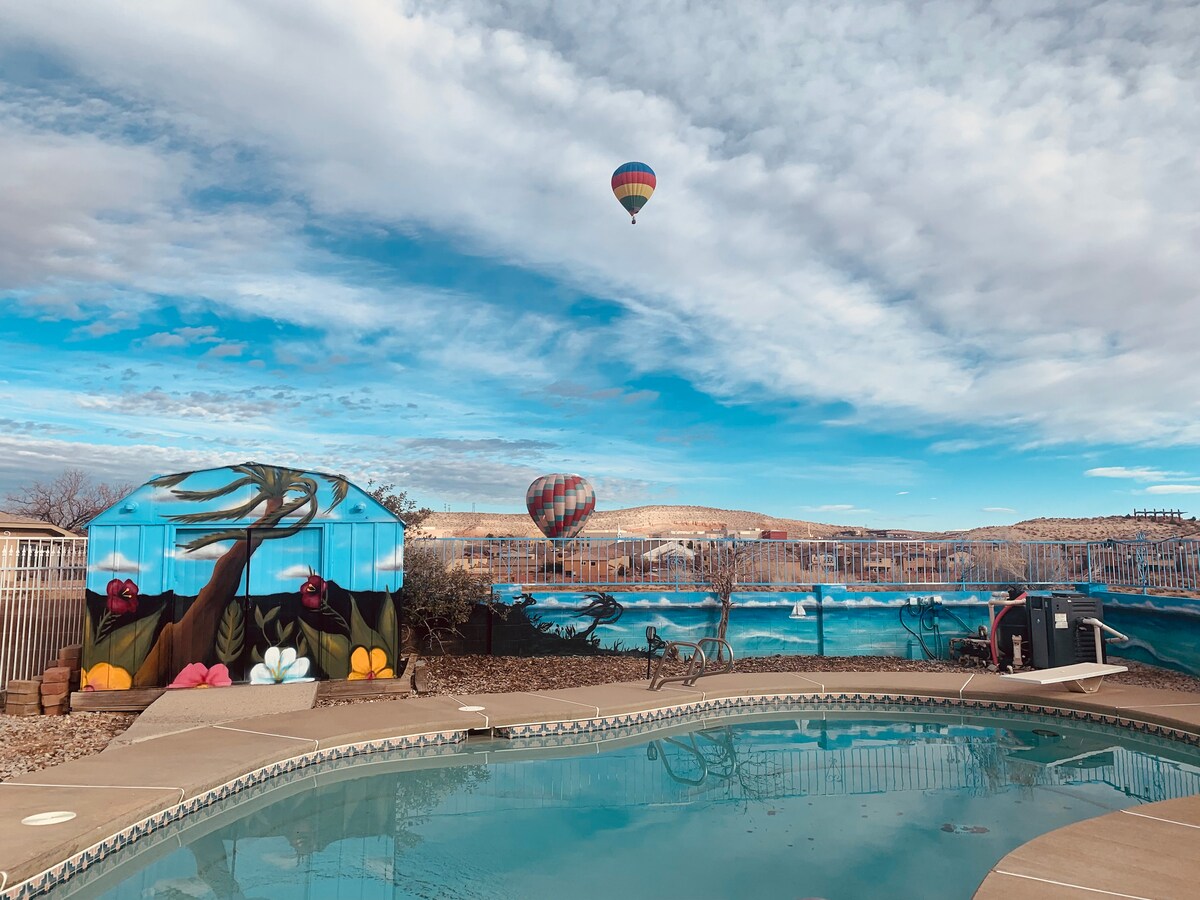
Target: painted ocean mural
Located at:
point(762, 623)
point(1163, 631)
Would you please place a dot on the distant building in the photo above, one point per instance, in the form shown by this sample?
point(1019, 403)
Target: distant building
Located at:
point(12, 525)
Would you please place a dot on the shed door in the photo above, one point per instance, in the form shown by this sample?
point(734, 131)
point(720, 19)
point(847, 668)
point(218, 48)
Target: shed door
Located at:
point(259, 609)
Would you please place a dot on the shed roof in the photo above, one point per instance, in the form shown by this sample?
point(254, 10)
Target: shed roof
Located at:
point(243, 495)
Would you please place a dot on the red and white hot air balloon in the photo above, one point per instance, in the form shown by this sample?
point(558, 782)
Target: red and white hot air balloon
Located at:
point(560, 504)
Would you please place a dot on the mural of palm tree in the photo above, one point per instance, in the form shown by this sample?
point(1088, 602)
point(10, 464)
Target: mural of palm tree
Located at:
point(603, 609)
point(281, 493)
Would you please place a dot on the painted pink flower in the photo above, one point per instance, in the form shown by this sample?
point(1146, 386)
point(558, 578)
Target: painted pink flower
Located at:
point(122, 597)
point(198, 675)
point(312, 592)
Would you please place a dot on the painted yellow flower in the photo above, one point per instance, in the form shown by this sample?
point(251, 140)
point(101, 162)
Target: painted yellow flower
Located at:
point(103, 677)
point(364, 665)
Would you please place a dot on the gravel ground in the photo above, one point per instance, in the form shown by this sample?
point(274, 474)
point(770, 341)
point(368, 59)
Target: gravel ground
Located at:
point(28, 744)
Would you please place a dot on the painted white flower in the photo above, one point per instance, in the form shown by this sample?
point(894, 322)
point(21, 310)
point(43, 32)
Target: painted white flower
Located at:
point(280, 666)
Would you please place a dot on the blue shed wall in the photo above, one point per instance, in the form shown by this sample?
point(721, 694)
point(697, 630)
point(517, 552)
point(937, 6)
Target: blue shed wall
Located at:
point(215, 567)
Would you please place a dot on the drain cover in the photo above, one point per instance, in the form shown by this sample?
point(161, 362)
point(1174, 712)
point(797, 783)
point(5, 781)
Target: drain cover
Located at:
point(49, 818)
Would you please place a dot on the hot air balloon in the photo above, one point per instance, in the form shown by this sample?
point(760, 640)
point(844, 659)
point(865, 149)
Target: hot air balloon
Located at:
point(560, 504)
point(633, 184)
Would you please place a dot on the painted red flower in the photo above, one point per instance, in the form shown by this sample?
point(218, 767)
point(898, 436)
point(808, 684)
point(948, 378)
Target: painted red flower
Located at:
point(312, 592)
point(122, 597)
point(198, 675)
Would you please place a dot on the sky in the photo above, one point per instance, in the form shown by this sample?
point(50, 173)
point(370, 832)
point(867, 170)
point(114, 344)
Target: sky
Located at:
point(917, 265)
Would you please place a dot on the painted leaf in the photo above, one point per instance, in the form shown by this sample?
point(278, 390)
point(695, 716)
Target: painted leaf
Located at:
point(170, 480)
point(231, 634)
point(127, 647)
point(258, 618)
point(388, 632)
point(89, 647)
point(332, 650)
point(340, 488)
point(362, 634)
point(198, 496)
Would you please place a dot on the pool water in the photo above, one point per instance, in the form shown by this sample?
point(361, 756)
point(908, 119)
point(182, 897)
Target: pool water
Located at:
point(796, 804)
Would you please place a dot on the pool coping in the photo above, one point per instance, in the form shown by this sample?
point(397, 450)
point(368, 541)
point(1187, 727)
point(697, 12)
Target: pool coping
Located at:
point(125, 799)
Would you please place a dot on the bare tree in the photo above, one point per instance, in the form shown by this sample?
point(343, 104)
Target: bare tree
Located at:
point(70, 501)
point(722, 565)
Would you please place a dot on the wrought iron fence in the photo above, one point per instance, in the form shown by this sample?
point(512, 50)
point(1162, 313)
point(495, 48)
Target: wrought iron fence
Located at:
point(788, 564)
point(42, 580)
point(42, 584)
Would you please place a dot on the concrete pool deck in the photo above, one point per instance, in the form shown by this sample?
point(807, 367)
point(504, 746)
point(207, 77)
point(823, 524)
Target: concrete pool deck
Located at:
point(1148, 851)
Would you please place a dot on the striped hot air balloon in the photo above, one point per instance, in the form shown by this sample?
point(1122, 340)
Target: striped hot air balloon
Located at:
point(560, 504)
point(633, 184)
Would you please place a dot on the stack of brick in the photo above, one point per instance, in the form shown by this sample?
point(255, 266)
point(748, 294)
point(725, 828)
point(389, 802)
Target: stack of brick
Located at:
point(60, 678)
point(23, 698)
point(56, 691)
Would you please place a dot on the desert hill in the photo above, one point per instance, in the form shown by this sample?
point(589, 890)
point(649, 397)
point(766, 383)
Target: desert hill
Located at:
point(656, 520)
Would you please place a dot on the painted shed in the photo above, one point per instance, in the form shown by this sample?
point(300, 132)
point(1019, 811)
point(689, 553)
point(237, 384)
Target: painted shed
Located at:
point(274, 574)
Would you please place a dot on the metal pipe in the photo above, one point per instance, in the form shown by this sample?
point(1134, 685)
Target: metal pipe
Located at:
point(1098, 626)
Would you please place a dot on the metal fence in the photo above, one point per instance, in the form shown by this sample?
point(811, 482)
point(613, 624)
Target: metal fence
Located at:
point(42, 584)
point(786, 565)
point(42, 580)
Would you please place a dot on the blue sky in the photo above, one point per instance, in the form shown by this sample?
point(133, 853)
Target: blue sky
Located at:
point(927, 265)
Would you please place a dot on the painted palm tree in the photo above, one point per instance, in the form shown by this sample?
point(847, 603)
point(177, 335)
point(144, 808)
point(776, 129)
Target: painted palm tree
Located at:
point(603, 609)
point(280, 493)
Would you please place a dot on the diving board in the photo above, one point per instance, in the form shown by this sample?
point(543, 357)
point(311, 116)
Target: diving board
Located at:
point(1083, 678)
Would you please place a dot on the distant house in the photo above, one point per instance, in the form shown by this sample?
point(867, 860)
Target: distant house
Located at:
point(43, 571)
point(669, 550)
point(598, 564)
point(12, 525)
point(27, 552)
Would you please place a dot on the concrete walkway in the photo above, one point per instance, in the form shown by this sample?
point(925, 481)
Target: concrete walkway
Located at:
point(205, 739)
point(183, 710)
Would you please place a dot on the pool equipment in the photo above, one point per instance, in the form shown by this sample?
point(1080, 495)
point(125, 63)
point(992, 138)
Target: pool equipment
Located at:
point(1041, 630)
point(921, 617)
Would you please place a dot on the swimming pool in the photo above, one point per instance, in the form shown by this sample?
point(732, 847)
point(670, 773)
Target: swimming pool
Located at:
point(799, 802)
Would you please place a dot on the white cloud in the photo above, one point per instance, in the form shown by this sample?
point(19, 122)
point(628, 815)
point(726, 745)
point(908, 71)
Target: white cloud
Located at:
point(901, 493)
point(391, 563)
point(1137, 473)
point(1173, 489)
point(208, 551)
point(998, 509)
point(115, 562)
point(966, 222)
point(229, 349)
point(294, 572)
